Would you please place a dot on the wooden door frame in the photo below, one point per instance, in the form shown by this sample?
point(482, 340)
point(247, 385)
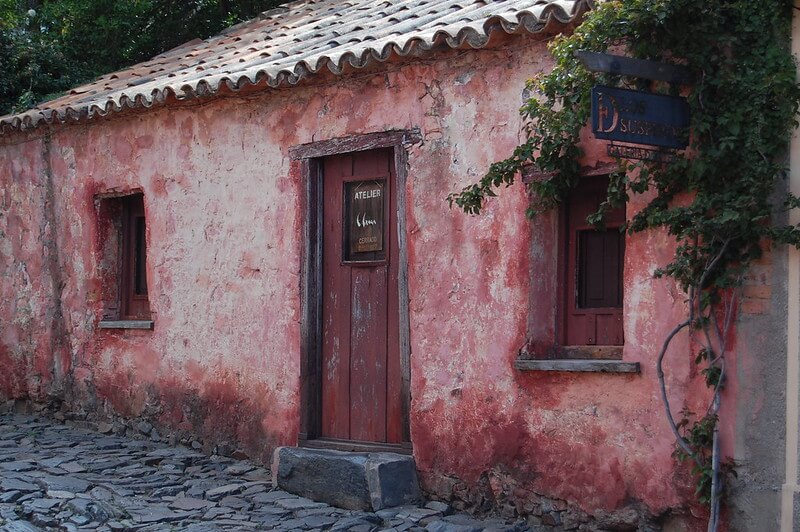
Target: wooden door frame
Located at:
point(310, 156)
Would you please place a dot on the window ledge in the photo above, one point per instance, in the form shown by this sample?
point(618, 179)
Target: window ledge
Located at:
point(579, 366)
point(126, 324)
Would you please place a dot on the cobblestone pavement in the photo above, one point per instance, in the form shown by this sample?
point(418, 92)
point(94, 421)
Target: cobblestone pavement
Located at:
point(55, 477)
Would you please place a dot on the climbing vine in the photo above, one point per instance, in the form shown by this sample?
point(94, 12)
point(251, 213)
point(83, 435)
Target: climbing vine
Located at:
point(717, 199)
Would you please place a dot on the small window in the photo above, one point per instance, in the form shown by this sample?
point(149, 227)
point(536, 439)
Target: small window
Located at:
point(593, 271)
point(134, 300)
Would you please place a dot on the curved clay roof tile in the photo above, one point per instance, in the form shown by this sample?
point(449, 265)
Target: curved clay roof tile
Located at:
point(289, 43)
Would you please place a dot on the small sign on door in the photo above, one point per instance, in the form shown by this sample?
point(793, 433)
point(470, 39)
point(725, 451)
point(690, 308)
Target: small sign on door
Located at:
point(364, 216)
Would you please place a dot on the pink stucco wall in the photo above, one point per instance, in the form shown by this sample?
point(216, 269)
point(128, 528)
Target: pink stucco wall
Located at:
point(224, 251)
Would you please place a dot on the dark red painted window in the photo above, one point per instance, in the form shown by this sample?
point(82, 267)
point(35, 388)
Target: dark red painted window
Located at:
point(134, 300)
point(592, 300)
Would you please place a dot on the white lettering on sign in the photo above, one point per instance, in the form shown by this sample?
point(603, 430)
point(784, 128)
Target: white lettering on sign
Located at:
point(363, 221)
point(367, 194)
point(364, 215)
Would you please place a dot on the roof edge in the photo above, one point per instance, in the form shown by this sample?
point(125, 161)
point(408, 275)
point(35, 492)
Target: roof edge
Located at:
point(553, 18)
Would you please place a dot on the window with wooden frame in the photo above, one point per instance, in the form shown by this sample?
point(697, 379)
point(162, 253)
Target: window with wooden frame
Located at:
point(591, 271)
point(575, 318)
point(122, 261)
point(134, 302)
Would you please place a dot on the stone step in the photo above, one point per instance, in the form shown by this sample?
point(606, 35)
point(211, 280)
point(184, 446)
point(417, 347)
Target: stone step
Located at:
point(356, 481)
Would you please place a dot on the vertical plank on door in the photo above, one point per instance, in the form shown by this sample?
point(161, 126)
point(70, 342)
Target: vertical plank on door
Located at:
point(368, 355)
point(336, 305)
point(368, 364)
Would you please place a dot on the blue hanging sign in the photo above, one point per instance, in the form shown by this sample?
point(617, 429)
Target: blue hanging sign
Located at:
point(637, 117)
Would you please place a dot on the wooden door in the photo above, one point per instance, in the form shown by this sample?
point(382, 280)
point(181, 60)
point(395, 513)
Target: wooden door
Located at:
point(361, 373)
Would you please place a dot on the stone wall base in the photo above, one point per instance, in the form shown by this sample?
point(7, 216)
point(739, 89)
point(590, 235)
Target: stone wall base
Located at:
point(497, 492)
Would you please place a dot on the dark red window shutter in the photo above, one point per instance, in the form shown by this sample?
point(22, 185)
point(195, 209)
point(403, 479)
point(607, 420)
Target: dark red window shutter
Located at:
point(135, 303)
point(139, 257)
point(594, 269)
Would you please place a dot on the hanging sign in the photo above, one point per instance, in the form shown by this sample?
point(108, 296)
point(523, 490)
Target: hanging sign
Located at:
point(637, 117)
point(365, 203)
point(638, 68)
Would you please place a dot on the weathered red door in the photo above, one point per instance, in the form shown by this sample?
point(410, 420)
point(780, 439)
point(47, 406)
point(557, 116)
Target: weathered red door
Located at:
point(361, 374)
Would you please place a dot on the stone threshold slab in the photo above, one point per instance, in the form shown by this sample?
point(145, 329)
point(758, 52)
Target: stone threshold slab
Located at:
point(356, 481)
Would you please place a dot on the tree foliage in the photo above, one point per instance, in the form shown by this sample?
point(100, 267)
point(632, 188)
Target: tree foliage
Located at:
point(49, 46)
point(718, 199)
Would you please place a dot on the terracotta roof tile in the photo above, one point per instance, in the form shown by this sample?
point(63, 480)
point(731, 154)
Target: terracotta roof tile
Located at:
point(286, 44)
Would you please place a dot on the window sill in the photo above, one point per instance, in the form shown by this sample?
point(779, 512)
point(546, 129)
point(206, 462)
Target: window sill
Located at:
point(146, 325)
point(577, 366)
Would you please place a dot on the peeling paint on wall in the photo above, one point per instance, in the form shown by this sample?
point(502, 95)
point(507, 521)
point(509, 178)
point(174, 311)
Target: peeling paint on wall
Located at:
point(224, 249)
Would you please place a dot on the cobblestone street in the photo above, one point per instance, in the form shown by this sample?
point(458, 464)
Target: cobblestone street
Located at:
point(55, 477)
